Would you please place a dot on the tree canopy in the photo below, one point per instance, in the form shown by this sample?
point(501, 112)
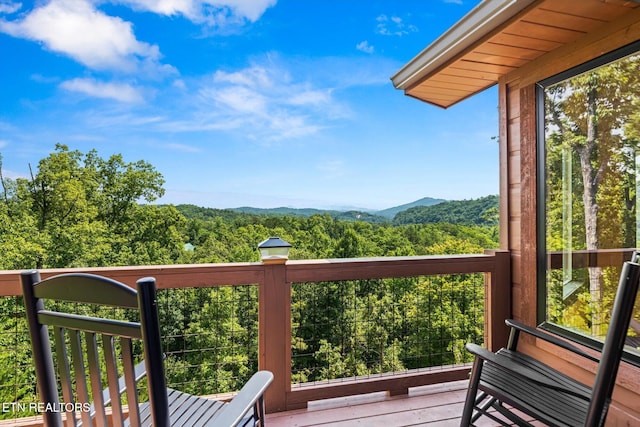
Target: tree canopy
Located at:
point(81, 210)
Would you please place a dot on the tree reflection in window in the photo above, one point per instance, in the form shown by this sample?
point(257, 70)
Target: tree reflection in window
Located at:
point(592, 159)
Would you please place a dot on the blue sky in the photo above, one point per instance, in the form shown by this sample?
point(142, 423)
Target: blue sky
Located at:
point(245, 102)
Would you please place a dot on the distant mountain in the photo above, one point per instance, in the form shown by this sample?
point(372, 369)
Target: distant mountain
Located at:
point(284, 211)
point(349, 215)
point(425, 201)
point(361, 216)
point(482, 211)
point(199, 212)
point(424, 210)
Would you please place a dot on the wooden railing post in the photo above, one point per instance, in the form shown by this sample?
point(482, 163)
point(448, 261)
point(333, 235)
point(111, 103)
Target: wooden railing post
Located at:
point(275, 334)
point(498, 301)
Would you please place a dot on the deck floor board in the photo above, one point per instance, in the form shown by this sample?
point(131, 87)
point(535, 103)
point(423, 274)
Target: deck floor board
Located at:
point(439, 405)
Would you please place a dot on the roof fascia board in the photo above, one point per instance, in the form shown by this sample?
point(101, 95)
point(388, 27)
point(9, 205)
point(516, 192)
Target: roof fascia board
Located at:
point(480, 21)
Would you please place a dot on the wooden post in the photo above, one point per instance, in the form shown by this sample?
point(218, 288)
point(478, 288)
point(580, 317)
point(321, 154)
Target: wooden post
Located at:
point(275, 334)
point(498, 301)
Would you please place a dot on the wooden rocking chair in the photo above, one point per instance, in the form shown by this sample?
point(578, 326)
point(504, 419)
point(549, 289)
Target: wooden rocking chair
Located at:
point(509, 379)
point(101, 348)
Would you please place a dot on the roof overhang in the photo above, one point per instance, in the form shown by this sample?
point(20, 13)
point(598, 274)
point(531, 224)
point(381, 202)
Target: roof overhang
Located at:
point(495, 38)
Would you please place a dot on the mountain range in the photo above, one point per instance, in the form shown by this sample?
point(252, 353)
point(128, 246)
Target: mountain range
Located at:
point(346, 213)
point(481, 211)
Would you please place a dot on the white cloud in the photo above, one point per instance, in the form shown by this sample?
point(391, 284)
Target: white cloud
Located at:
point(365, 47)
point(265, 102)
point(179, 84)
point(311, 97)
point(117, 91)
point(122, 118)
point(239, 99)
point(250, 9)
point(183, 148)
point(252, 77)
point(9, 6)
point(285, 125)
point(212, 12)
point(165, 7)
point(75, 28)
point(37, 77)
point(393, 26)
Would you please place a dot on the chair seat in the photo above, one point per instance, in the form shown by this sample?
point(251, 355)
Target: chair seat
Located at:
point(186, 410)
point(566, 407)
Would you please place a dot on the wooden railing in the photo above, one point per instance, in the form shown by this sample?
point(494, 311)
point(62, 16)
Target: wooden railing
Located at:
point(274, 282)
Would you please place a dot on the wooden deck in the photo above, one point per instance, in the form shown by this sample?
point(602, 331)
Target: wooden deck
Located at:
point(436, 405)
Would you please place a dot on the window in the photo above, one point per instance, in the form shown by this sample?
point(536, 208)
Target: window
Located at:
point(589, 144)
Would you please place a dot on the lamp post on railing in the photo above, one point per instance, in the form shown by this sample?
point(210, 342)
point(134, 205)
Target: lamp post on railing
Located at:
point(274, 250)
point(275, 320)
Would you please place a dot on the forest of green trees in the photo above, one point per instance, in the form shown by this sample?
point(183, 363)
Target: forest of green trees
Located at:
point(80, 210)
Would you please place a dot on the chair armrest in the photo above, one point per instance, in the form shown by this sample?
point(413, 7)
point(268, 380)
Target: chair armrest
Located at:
point(521, 370)
point(550, 338)
point(244, 401)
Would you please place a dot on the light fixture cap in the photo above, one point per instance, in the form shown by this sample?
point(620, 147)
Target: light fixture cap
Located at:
point(274, 249)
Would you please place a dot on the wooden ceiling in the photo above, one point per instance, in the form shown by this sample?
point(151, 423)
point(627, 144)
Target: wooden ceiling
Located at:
point(538, 29)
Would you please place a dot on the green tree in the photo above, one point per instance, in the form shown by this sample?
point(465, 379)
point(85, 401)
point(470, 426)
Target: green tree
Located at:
point(78, 210)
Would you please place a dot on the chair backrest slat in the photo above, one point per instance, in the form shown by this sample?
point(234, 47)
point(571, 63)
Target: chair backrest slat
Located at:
point(77, 359)
point(64, 371)
point(93, 360)
point(129, 375)
point(117, 418)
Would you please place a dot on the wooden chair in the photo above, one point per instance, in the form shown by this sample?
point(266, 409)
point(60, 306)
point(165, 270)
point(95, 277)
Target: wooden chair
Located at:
point(95, 351)
point(509, 379)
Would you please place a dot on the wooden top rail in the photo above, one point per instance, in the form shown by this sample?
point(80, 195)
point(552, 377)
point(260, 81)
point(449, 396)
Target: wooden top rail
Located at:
point(209, 275)
point(167, 276)
point(385, 267)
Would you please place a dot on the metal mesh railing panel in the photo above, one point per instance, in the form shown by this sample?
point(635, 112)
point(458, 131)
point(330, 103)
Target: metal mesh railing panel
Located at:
point(357, 328)
point(210, 337)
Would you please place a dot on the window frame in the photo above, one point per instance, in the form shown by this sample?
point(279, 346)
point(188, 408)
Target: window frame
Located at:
point(541, 207)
